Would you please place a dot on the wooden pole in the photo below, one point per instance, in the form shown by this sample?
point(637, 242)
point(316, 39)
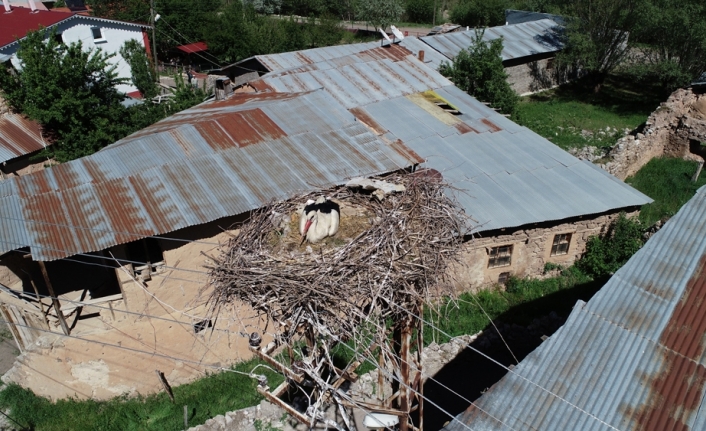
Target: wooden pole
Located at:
point(54, 299)
point(420, 349)
point(405, 384)
point(154, 41)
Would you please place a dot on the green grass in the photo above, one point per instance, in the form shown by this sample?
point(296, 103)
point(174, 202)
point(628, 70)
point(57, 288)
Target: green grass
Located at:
point(521, 302)
point(207, 397)
point(668, 182)
point(573, 116)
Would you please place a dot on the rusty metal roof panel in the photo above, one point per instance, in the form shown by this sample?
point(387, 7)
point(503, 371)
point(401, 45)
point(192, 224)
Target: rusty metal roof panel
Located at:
point(632, 358)
point(19, 136)
point(508, 179)
point(361, 84)
point(519, 40)
point(192, 174)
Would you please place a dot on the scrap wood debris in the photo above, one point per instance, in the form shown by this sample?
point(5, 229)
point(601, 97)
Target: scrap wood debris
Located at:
point(396, 263)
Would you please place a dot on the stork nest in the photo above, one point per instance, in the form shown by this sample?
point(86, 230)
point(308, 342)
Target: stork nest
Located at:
point(400, 261)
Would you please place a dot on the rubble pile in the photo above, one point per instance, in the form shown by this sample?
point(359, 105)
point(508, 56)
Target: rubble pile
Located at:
point(674, 129)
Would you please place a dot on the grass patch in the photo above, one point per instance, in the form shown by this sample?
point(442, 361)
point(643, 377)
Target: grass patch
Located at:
point(517, 304)
point(212, 395)
point(668, 182)
point(573, 116)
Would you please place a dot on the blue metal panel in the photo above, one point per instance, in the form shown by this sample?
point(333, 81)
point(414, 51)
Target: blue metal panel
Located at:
point(519, 40)
point(615, 363)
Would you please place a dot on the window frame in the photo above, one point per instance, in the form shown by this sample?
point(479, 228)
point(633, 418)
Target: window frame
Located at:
point(561, 243)
point(500, 256)
point(100, 32)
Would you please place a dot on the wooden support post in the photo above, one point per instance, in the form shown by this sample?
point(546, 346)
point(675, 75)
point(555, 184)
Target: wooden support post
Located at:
point(39, 299)
point(420, 366)
point(695, 177)
point(54, 299)
point(405, 384)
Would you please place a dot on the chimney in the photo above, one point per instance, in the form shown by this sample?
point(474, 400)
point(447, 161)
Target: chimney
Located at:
point(421, 55)
point(32, 5)
point(6, 3)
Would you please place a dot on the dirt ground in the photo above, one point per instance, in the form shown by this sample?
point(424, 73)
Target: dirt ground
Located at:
point(118, 351)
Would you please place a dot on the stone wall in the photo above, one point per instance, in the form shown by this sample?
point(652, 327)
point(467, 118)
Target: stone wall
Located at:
point(674, 129)
point(534, 76)
point(531, 250)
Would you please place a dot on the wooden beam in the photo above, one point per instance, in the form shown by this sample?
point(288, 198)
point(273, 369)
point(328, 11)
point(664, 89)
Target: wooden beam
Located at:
point(54, 299)
point(289, 409)
point(281, 368)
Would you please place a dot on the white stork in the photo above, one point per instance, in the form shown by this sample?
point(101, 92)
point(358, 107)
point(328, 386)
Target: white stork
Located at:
point(319, 219)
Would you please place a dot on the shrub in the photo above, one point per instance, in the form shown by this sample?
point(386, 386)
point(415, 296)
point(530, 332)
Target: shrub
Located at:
point(479, 71)
point(606, 254)
point(479, 13)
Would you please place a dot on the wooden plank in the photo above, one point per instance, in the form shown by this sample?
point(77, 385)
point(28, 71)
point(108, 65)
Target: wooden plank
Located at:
point(95, 301)
point(54, 299)
point(13, 328)
point(289, 409)
point(280, 367)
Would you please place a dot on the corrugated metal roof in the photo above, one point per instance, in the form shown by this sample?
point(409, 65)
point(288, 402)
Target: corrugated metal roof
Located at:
point(373, 77)
point(211, 161)
point(290, 60)
point(519, 40)
point(509, 175)
point(18, 136)
point(634, 356)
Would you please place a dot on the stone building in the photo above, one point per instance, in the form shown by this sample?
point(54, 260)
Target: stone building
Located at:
point(529, 50)
point(677, 128)
point(119, 239)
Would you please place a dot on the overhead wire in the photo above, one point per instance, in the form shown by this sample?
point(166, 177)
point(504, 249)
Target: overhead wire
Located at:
point(468, 346)
point(412, 314)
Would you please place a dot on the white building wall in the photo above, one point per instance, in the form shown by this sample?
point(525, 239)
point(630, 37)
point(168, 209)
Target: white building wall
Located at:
point(115, 34)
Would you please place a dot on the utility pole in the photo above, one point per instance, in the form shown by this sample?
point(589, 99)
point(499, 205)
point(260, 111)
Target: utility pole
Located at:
point(154, 41)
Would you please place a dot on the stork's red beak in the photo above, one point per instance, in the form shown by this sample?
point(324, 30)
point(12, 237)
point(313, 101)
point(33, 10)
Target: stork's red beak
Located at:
point(306, 229)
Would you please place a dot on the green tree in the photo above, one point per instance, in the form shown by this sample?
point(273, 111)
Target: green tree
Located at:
point(479, 13)
point(421, 11)
point(479, 71)
point(122, 10)
point(143, 76)
point(675, 32)
point(379, 13)
point(69, 91)
point(596, 36)
point(608, 253)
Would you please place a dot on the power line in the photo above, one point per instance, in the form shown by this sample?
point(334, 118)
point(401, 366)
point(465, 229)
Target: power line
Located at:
point(468, 346)
point(117, 346)
point(422, 320)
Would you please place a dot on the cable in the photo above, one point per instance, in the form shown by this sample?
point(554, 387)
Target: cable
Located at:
point(117, 346)
point(492, 323)
point(393, 377)
point(468, 346)
point(189, 41)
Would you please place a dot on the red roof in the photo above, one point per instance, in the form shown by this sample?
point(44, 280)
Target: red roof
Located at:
point(193, 47)
point(16, 24)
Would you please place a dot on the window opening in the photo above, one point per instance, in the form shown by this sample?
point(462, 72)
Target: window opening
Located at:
point(500, 256)
point(560, 245)
point(503, 278)
point(550, 64)
point(59, 38)
point(146, 257)
point(97, 34)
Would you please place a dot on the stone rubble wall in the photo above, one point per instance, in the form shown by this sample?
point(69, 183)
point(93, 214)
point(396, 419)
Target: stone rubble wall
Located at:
point(669, 131)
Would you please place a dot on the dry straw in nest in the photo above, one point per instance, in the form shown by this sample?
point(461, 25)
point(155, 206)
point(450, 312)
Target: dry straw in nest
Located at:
point(402, 258)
